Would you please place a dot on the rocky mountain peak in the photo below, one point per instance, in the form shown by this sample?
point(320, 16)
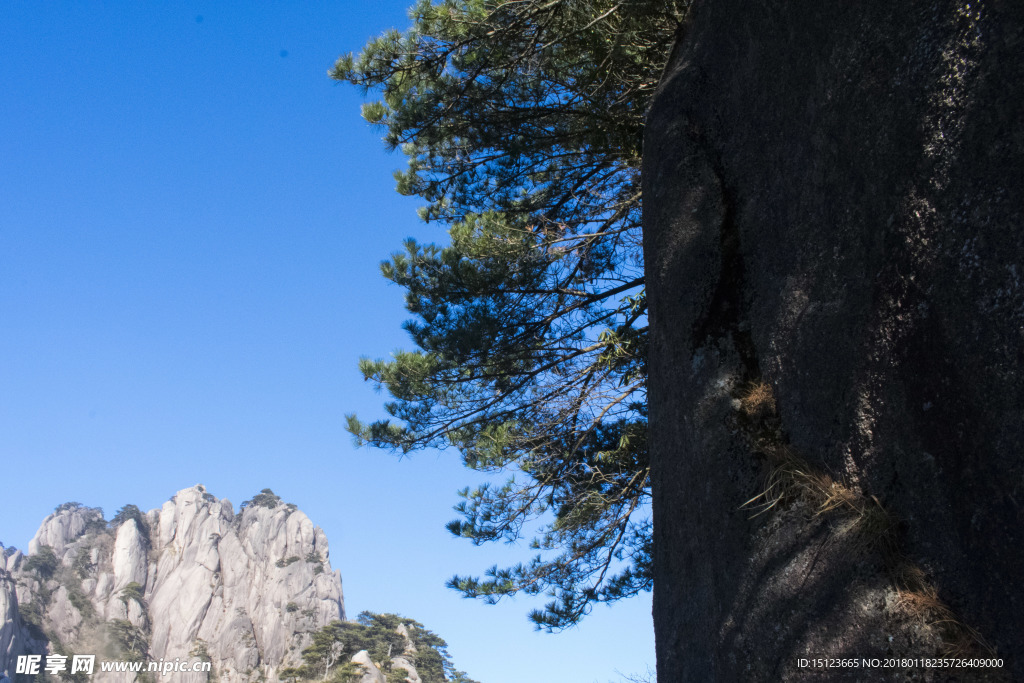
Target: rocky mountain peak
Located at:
point(190, 580)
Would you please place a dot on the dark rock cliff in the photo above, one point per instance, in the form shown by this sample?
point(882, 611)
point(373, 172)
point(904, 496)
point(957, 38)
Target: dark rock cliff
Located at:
point(832, 220)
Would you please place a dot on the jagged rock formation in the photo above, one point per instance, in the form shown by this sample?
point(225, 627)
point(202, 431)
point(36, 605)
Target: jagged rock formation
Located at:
point(252, 594)
point(406, 659)
point(832, 218)
point(191, 580)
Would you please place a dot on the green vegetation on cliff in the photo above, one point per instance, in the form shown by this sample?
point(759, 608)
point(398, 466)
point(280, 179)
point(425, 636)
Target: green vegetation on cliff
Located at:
point(380, 635)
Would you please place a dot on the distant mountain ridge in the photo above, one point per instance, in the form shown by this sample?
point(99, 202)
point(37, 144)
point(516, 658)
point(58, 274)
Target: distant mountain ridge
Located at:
point(192, 580)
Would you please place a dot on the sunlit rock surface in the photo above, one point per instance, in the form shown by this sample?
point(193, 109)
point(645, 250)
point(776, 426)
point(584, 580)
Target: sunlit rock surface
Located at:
point(192, 580)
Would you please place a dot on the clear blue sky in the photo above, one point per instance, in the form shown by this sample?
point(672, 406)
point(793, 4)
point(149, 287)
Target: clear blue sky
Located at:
point(191, 220)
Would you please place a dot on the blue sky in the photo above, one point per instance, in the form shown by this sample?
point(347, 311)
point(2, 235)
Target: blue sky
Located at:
point(191, 221)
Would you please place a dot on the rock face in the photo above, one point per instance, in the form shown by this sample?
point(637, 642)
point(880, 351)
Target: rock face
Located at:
point(192, 580)
point(832, 213)
point(15, 637)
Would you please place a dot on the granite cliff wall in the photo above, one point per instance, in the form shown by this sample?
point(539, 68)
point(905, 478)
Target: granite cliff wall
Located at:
point(832, 222)
point(190, 580)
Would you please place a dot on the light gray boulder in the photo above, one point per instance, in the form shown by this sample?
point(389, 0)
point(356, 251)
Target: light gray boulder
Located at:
point(371, 674)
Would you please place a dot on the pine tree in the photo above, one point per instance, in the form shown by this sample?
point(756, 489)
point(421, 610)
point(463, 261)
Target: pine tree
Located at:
point(522, 121)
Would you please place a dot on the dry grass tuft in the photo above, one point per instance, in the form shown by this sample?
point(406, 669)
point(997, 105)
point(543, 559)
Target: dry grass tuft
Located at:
point(790, 477)
point(876, 529)
point(757, 400)
point(919, 599)
point(784, 478)
point(831, 495)
point(914, 592)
